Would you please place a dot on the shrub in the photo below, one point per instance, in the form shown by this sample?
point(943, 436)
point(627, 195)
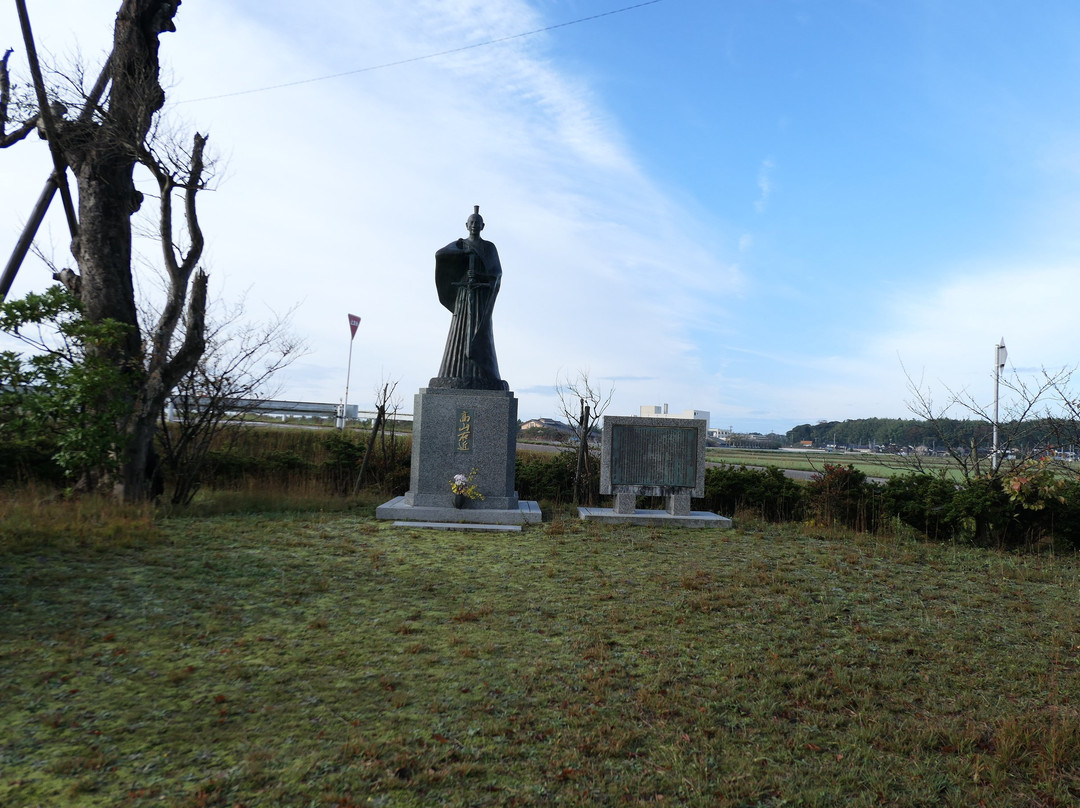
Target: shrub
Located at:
point(765, 492)
point(29, 461)
point(342, 463)
point(1021, 507)
point(547, 477)
point(842, 495)
point(59, 395)
point(1017, 508)
point(983, 514)
point(924, 502)
point(1062, 518)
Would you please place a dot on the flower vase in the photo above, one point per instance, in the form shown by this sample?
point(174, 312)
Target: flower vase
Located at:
point(459, 500)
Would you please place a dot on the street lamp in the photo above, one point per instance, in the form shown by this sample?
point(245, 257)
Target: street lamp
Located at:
point(1000, 354)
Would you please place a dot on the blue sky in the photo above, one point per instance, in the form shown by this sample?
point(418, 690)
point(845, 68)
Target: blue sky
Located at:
point(775, 211)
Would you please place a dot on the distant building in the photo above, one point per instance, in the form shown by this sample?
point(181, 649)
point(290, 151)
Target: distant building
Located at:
point(653, 411)
point(544, 423)
point(546, 429)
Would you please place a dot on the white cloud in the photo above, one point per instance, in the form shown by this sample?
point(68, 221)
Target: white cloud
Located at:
point(950, 334)
point(337, 194)
point(942, 337)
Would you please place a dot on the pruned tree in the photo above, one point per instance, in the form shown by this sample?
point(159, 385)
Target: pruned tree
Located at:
point(583, 404)
point(112, 135)
point(387, 404)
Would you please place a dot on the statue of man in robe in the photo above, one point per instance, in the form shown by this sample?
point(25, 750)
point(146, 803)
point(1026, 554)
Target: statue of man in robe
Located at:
point(467, 277)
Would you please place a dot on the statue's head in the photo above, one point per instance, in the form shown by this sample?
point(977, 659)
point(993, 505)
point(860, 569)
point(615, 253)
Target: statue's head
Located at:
point(475, 223)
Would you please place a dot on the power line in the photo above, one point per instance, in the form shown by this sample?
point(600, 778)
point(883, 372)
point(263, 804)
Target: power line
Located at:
point(422, 58)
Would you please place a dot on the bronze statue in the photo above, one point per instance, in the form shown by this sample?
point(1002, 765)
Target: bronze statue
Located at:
point(467, 276)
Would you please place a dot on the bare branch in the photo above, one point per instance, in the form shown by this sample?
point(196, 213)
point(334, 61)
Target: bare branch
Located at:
point(1034, 412)
point(179, 268)
point(572, 392)
point(591, 403)
point(27, 126)
point(238, 364)
point(385, 398)
point(194, 342)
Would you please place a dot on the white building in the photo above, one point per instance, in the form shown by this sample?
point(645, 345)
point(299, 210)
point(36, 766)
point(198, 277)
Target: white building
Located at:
point(653, 411)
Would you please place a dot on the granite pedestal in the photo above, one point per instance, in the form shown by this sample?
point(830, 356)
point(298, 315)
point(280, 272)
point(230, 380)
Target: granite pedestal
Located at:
point(456, 432)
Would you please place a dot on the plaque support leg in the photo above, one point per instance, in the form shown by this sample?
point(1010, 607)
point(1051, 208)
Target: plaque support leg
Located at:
point(624, 503)
point(679, 504)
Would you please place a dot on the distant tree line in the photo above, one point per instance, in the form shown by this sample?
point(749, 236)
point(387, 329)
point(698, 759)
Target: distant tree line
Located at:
point(1030, 435)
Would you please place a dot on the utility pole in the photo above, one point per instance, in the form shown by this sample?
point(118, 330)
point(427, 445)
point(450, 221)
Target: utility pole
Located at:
point(1000, 354)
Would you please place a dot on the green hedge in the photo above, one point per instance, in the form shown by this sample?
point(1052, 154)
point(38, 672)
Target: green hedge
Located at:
point(547, 477)
point(765, 493)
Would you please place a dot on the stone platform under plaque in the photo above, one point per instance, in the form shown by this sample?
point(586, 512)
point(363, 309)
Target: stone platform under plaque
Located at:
point(454, 432)
point(653, 518)
point(660, 457)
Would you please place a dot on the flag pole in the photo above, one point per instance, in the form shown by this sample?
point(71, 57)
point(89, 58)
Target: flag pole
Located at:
point(354, 322)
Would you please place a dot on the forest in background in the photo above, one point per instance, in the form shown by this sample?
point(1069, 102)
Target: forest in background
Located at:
point(1033, 435)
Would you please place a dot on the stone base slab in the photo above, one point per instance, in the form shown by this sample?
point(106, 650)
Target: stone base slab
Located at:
point(460, 526)
point(608, 516)
point(397, 509)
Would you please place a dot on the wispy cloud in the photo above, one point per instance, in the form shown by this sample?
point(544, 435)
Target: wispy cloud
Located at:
point(765, 184)
point(339, 192)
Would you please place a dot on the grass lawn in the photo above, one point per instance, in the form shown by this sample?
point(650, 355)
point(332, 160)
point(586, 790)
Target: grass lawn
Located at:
point(330, 660)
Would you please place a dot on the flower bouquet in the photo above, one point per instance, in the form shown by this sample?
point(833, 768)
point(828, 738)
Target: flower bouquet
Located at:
point(463, 487)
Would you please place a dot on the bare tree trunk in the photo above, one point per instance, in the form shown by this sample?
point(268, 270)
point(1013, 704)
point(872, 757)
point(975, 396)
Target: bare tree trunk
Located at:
point(103, 154)
point(580, 476)
point(383, 403)
point(102, 146)
point(380, 415)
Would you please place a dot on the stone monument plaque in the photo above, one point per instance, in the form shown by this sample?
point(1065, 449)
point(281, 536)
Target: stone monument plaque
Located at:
point(662, 457)
point(654, 456)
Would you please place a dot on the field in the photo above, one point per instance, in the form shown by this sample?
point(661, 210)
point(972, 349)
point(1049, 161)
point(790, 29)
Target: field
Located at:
point(873, 465)
point(331, 660)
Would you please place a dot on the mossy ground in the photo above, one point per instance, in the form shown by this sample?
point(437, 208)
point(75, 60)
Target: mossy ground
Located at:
point(331, 660)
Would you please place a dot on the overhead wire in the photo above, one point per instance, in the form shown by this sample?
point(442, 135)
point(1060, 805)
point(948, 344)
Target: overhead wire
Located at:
point(412, 59)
